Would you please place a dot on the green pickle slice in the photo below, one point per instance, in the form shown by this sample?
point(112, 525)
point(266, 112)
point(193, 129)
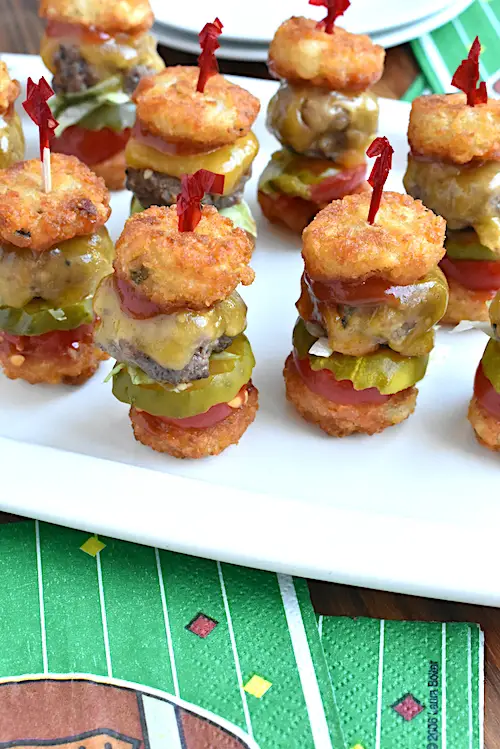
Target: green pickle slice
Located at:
point(294, 175)
point(385, 370)
point(491, 363)
point(39, 317)
point(229, 371)
point(465, 245)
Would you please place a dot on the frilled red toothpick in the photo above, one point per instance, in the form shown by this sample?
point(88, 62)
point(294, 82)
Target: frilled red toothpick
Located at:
point(378, 177)
point(37, 108)
point(466, 77)
point(335, 8)
point(207, 61)
point(193, 188)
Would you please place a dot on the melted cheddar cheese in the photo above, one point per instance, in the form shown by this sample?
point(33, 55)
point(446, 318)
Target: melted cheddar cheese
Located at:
point(232, 161)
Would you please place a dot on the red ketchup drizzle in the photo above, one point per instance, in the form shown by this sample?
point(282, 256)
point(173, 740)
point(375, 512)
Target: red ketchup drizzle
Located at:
point(141, 135)
point(49, 345)
point(324, 383)
point(354, 294)
point(486, 393)
point(135, 304)
point(88, 34)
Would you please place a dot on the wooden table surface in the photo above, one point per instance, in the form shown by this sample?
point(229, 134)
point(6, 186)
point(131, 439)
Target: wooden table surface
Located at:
point(20, 31)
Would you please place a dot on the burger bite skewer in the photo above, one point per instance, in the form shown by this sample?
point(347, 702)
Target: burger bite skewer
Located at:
point(173, 319)
point(191, 118)
point(322, 114)
point(454, 168)
point(97, 51)
point(371, 294)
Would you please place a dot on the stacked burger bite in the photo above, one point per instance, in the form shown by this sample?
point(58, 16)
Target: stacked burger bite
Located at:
point(454, 168)
point(180, 130)
point(98, 51)
point(322, 114)
point(484, 409)
point(371, 294)
point(54, 249)
point(172, 317)
point(11, 133)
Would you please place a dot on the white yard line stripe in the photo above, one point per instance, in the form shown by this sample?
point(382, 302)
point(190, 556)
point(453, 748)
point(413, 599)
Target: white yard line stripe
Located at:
point(378, 727)
point(166, 619)
point(246, 711)
point(490, 15)
point(103, 614)
point(481, 689)
point(469, 685)
point(320, 626)
point(443, 686)
point(437, 62)
point(467, 42)
point(41, 602)
point(161, 724)
point(307, 674)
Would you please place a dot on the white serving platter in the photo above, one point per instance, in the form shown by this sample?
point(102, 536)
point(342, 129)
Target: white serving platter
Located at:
point(257, 22)
point(415, 509)
point(249, 50)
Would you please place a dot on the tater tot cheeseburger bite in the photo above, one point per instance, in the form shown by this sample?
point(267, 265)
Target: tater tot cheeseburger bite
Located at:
point(54, 249)
point(191, 118)
point(174, 321)
point(484, 409)
point(371, 294)
point(323, 116)
point(11, 132)
point(97, 50)
point(454, 168)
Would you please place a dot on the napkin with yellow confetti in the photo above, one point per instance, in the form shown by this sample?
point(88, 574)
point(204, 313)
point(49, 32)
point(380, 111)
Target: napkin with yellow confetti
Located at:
point(110, 644)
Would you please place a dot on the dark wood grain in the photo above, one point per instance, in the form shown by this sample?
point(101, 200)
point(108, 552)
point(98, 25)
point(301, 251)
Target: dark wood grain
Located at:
point(20, 31)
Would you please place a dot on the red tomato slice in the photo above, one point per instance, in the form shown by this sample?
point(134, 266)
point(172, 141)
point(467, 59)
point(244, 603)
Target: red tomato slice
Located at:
point(296, 213)
point(324, 383)
point(343, 183)
point(210, 418)
point(49, 345)
point(91, 146)
point(476, 275)
point(372, 291)
point(486, 393)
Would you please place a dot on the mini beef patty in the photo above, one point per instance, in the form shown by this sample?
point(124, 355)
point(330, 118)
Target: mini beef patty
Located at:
point(156, 188)
point(75, 75)
point(197, 369)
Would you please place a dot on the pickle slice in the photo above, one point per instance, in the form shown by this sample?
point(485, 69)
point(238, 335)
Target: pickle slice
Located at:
point(385, 370)
point(465, 245)
point(491, 363)
point(495, 312)
point(229, 371)
point(39, 317)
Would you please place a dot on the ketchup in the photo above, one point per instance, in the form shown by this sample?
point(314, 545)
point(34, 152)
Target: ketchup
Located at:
point(134, 303)
point(353, 293)
point(88, 34)
point(50, 345)
point(141, 135)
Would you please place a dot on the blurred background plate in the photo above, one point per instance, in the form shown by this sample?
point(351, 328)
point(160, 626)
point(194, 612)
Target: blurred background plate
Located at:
point(249, 50)
point(262, 17)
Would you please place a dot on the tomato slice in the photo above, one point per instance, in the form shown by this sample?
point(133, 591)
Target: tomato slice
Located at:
point(49, 345)
point(210, 418)
point(296, 213)
point(91, 146)
point(371, 291)
point(486, 393)
point(324, 383)
point(336, 187)
point(476, 275)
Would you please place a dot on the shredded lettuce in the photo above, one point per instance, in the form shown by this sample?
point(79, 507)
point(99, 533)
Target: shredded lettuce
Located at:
point(104, 105)
point(117, 368)
point(241, 216)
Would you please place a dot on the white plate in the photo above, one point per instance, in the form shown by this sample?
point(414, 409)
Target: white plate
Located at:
point(257, 22)
point(232, 49)
point(414, 509)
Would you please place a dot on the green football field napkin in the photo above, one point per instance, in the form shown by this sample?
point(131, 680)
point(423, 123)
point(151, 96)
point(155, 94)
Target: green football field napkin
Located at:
point(406, 685)
point(194, 645)
point(440, 53)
